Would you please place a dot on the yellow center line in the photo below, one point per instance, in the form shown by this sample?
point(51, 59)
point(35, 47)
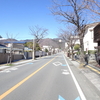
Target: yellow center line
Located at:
point(21, 82)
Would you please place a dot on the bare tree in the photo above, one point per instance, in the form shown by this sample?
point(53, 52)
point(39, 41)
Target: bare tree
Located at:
point(38, 33)
point(11, 38)
point(71, 11)
point(94, 7)
point(70, 37)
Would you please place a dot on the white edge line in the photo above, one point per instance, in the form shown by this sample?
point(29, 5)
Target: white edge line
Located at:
point(76, 83)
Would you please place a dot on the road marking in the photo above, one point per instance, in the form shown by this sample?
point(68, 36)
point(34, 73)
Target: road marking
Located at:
point(57, 63)
point(29, 63)
point(60, 98)
point(78, 98)
point(6, 71)
point(21, 82)
point(76, 83)
point(15, 68)
point(64, 65)
point(65, 72)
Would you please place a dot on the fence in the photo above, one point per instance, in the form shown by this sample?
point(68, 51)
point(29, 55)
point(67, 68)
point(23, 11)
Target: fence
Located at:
point(4, 57)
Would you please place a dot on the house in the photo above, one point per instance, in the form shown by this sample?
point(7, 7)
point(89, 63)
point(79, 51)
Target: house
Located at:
point(74, 40)
point(97, 35)
point(97, 40)
point(13, 49)
point(17, 47)
point(88, 39)
point(3, 48)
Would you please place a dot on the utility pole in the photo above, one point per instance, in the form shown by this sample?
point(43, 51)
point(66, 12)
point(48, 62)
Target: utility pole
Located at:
point(33, 49)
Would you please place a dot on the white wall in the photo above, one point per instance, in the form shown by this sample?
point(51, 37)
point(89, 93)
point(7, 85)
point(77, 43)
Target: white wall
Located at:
point(88, 39)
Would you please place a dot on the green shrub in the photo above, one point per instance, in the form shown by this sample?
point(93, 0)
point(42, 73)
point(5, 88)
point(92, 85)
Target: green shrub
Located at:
point(91, 51)
point(46, 50)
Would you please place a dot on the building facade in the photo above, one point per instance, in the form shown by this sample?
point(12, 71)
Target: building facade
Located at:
point(97, 34)
point(97, 40)
point(88, 40)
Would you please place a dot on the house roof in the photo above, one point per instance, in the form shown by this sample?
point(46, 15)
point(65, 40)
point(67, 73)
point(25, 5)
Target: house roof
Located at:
point(92, 24)
point(2, 45)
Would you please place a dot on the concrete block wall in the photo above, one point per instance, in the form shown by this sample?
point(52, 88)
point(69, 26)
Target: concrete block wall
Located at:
point(4, 57)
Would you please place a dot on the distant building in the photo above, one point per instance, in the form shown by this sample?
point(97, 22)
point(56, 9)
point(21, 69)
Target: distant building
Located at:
point(49, 48)
point(75, 40)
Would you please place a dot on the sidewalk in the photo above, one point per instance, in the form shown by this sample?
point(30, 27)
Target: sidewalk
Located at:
point(19, 62)
point(93, 65)
point(90, 71)
point(4, 66)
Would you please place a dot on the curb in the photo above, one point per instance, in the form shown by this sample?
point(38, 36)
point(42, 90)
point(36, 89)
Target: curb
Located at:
point(93, 68)
point(4, 66)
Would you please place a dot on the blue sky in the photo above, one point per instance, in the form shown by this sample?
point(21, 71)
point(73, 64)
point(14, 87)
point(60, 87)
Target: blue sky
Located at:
point(16, 16)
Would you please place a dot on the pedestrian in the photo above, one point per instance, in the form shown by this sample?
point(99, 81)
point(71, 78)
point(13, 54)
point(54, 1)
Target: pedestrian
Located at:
point(75, 56)
point(86, 58)
point(96, 57)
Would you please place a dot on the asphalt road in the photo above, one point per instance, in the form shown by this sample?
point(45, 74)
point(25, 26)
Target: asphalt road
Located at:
point(48, 78)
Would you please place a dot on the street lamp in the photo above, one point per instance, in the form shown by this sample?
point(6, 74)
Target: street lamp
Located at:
point(60, 40)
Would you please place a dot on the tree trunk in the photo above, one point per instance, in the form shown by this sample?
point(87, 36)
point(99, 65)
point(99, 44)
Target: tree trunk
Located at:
point(33, 49)
point(72, 53)
point(81, 52)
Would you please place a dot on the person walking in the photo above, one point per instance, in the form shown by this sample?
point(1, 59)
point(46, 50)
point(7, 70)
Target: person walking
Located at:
point(86, 58)
point(75, 56)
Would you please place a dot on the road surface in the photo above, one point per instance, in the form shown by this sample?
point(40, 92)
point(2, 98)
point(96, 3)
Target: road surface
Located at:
point(48, 78)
